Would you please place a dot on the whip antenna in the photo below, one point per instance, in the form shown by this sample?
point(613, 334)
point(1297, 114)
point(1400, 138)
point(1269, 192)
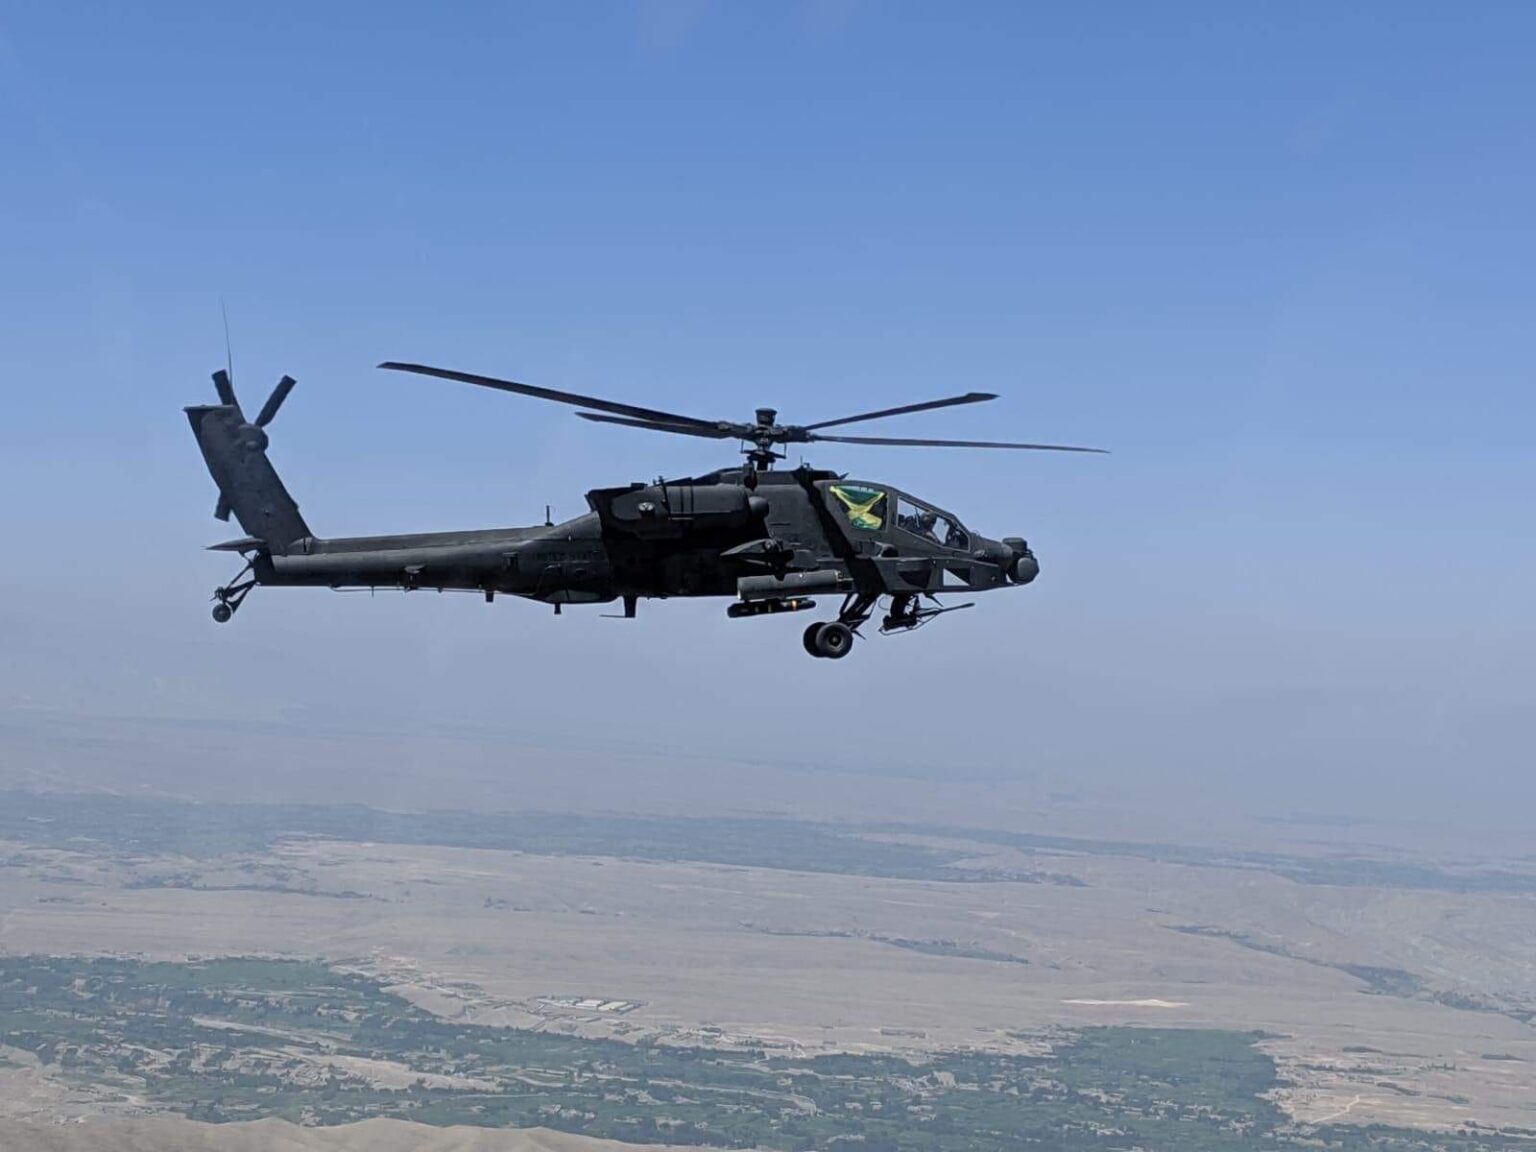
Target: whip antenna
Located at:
point(229, 355)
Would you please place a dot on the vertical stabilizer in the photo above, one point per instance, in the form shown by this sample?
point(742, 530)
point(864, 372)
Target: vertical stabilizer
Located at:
point(236, 453)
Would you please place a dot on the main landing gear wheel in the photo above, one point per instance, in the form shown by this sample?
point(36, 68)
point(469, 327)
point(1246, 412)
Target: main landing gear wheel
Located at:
point(810, 638)
point(227, 600)
point(832, 641)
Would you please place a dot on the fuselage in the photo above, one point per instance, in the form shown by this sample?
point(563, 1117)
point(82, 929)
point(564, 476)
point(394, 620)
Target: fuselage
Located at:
point(696, 537)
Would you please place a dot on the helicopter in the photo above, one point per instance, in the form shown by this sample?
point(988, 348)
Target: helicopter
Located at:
point(770, 539)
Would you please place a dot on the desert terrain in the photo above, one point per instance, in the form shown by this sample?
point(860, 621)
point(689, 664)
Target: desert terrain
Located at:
point(1383, 986)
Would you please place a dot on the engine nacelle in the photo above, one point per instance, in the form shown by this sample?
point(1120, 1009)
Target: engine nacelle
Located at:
point(671, 511)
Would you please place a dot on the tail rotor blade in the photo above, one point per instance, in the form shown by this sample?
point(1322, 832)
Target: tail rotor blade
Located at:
point(225, 389)
point(275, 401)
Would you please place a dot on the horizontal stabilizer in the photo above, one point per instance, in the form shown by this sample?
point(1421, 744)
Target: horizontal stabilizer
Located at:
point(244, 544)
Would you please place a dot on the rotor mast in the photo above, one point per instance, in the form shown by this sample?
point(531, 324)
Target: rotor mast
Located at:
point(760, 456)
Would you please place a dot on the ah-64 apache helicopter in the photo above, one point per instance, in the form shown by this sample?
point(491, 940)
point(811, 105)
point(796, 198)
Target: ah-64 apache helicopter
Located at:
point(769, 539)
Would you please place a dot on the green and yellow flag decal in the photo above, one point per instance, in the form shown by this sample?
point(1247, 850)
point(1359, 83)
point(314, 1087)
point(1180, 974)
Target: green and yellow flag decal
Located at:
point(865, 507)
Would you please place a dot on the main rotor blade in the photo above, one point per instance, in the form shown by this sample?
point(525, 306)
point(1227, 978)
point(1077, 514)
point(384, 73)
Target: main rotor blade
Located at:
point(709, 433)
point(902, 442)
point(950, 402)
point(572, 398)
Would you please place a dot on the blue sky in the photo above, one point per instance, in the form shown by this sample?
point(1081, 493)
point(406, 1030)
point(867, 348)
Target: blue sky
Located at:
point(1278, 259)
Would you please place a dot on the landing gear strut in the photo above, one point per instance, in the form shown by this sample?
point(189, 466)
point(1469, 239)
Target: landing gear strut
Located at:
point(227, 600)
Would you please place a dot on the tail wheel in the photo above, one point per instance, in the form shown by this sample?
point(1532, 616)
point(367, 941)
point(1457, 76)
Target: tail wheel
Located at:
point(833, 641)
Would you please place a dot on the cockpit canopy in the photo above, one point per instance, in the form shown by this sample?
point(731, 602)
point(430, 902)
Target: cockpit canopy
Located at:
point(931, 524)
point(894, 516)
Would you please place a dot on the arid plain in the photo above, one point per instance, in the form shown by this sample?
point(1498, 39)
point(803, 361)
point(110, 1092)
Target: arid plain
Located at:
point(1391, 972)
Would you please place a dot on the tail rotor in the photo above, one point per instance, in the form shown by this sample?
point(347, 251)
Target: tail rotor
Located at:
point(252, 433)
